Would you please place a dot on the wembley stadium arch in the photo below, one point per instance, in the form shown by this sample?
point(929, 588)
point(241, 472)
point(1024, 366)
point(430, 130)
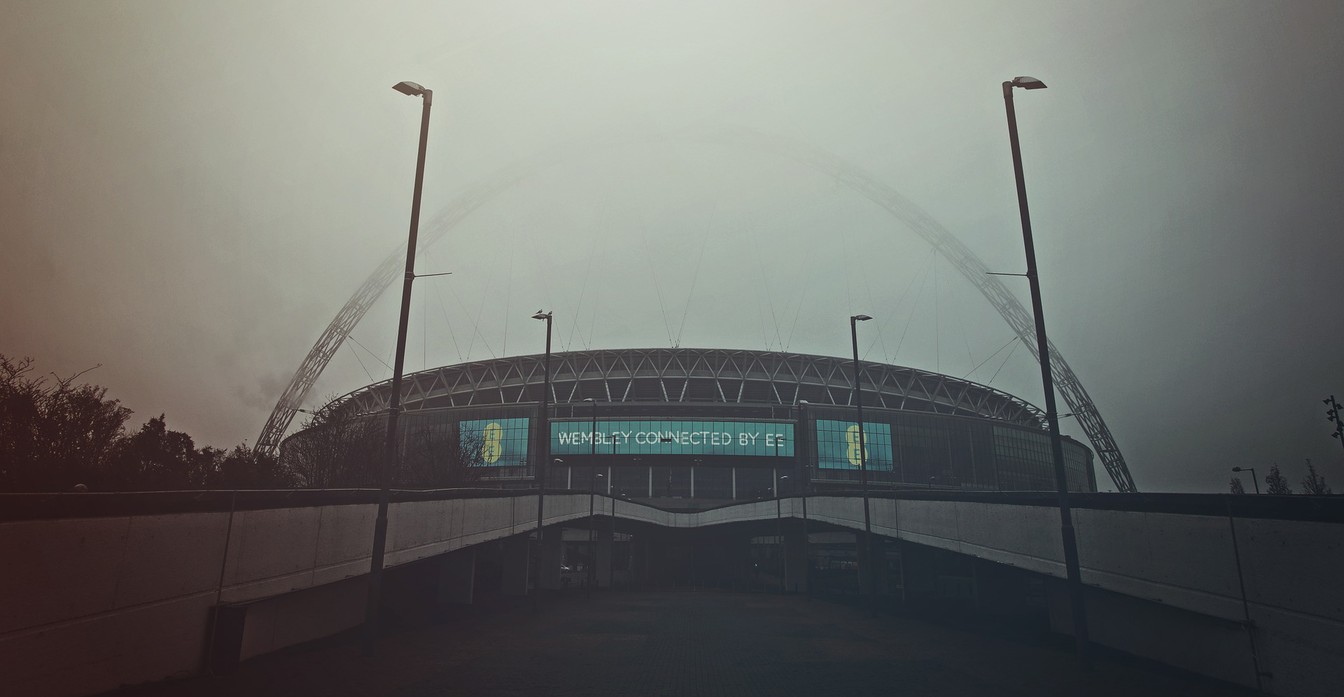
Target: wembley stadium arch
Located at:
point(1068, 385)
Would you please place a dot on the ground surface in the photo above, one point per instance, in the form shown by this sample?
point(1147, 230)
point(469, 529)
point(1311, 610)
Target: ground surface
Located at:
point(691, 643)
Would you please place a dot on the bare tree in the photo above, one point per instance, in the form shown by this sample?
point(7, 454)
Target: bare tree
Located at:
point(440, 457)
point(1314, 483)
point(55, 434)
point(246, 468)
point(337, 448)
point(1278, 484)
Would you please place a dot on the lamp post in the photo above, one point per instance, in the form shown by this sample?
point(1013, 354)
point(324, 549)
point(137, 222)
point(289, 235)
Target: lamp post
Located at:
point(544, 429)
point(592, 490)
point(371, 609)
point(806, 475)
point(779, 532)
point(611, 556)
point(1254, 481)
point(1047, 381)
point(867, 560)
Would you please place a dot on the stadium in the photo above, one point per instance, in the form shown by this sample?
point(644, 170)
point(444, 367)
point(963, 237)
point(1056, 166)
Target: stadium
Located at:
point(687, 428)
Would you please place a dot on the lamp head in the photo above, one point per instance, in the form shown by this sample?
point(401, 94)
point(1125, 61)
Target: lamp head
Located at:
point(860, 318)
point(541, 315)
point(410, 89)
point(1027, 83)
point(1237, 469)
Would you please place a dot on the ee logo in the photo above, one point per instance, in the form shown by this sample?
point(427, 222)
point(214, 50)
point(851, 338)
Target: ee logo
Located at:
point(852, 437)
point(492, 446)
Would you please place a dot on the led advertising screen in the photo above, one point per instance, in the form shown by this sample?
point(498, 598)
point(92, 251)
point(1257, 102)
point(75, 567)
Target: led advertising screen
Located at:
point(838, 445)
point(503, 442)
point(666, 437)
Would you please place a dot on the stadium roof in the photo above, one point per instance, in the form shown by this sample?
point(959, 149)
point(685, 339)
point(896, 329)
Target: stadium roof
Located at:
point(691, 375)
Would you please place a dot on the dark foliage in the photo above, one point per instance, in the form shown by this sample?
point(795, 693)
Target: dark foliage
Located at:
point(1278, 484)
point(56, 435)
point(336, 450)
point(1314, 483)
point(340, 449)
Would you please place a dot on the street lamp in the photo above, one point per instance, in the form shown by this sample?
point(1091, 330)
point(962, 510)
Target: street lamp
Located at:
point(544, 430)
point(1254, 481)
point(806, 474)
point(611, 565)
point(1047, 381)
point(779, 532)
point(867, 560)
point(592, 490)
point(371, 608)
point(613, 493)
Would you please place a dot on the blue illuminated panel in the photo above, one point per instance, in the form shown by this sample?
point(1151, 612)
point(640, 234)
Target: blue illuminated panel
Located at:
point(662, 437)
point(502, 442)
point(838, 445)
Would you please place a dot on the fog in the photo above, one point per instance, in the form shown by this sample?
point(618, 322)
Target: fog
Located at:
point(189, 192)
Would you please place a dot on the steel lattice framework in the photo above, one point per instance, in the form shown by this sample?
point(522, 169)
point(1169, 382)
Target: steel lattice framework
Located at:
point(961, 257)
point(689, 375)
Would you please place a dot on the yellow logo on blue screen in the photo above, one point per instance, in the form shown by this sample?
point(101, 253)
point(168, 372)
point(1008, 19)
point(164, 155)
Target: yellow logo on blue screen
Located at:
point(492, 446)
point(855, 456)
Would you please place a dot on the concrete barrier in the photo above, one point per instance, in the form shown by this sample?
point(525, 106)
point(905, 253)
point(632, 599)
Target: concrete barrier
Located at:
point(107, 590)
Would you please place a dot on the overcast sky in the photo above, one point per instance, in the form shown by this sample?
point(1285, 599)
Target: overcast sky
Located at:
point(189, 192)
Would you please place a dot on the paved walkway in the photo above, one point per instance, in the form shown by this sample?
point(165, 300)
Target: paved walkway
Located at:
point(690, 643)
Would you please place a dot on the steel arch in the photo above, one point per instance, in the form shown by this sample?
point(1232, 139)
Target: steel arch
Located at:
point(961, 257)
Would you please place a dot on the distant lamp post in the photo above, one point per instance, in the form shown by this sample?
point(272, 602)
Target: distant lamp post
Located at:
point(1254, 481)
point(613, 493)
point(544, 429)
point(611, 558)
point(806, 485)
point(1047, 381)
point(592, 491)
point(869, 566)
point(371, 609)
point(779, 531)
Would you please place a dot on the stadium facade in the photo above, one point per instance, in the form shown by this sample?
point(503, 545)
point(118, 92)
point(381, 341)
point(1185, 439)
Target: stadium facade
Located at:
point(690, 428)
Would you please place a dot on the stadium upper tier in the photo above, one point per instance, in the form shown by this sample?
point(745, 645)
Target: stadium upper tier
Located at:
point(690, 375)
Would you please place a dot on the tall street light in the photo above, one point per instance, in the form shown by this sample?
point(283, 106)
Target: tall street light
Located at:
point(544, 429)
point(371, 609)
point(592, 490)
point(614, 494)
point(867, 561)
point(806, 482)
point(779, 532)
point(1254, 481)
point(1047, 381)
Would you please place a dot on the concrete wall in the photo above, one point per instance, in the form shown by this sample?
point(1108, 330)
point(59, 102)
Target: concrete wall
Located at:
point(91, 603)
point(1167, 586)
